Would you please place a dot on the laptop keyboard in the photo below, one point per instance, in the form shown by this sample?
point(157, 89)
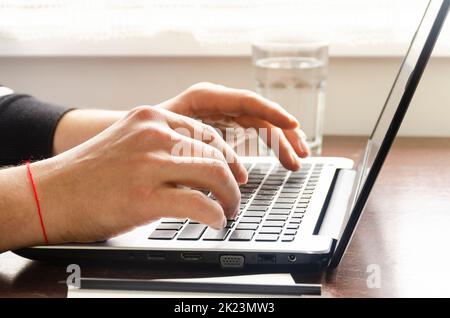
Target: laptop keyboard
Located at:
point(273, 204)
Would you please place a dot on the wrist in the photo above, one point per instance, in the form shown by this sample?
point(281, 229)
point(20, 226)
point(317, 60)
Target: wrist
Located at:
point(20, 224)
point(79, 125)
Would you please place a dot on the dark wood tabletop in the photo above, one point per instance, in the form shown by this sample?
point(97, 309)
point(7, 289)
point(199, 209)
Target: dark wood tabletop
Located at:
point(401, 246)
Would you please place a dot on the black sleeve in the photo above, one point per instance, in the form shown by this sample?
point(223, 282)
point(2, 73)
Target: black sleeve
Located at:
point(27, 126)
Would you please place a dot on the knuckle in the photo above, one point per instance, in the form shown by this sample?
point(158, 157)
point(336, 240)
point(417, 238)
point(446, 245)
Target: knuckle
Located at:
point(197, 198)
point(219, 170)
point(202, 86)
point(248, 96)
point(212, 132)
point(145, 113)
point(219, 155)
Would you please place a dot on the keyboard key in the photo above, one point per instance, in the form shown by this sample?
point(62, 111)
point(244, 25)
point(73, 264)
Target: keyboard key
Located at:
point(171, 220)
point(302, 205)
point(170, 226)
point(261, 202)
point(289, 185)
point(257, 208)
point(250, 219)
point(267, 192)
point(297, 215)
point(163, 234)
point(241, 235)
point(280, 211)
point(247, 226)
point(215, 235)
point(295, 221)
point(303, 201)
point(288, 195)
point(292, 226)
point(282, 206)
point(271, 217)
point(273, 223)
point(287, 238)
point(290, 232)
point(273, 182)
point(270, 230)
point(267, 237)
point(264, 197)
point(295, 182)
point(300, 210)
point(270, 187)
point(285, 200)
point(192, 232)
point(291, 190)
point(255, 213)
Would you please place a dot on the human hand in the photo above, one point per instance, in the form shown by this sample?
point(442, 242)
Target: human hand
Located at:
point(128, 175)
point(213, 102)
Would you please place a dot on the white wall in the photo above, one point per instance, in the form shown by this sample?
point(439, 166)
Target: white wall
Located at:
point(357, 88)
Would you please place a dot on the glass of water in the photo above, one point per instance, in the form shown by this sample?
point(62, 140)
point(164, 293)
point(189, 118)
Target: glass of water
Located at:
point(293, 74)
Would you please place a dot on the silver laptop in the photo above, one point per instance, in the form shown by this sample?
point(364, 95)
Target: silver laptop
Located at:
point(286, 218)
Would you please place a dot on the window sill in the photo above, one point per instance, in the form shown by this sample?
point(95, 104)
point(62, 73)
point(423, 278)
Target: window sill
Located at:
point(179, 47)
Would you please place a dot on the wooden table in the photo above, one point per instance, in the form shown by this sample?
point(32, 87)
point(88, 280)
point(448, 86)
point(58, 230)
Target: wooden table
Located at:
point(405, 233)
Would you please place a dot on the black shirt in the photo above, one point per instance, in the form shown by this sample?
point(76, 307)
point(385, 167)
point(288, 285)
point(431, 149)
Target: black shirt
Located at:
point(27, 127)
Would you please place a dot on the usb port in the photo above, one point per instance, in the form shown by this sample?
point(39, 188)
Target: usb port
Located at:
point(191, 257)
point(156, 256)
point(267, 259)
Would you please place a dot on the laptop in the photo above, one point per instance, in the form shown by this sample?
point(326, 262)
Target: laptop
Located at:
point(306, 217)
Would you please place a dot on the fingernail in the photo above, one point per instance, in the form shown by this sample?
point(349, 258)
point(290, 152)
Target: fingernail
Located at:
point(294, 120)
point(244, 176)
point(224, 222)
point(302, 146)
point(296, 162)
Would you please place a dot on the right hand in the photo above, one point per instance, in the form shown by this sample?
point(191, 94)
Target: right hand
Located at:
point(128, 176)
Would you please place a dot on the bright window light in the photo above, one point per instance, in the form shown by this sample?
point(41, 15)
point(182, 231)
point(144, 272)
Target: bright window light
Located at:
point(353, 27)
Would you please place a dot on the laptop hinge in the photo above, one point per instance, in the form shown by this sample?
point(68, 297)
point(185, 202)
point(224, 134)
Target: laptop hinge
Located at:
point(338, 205)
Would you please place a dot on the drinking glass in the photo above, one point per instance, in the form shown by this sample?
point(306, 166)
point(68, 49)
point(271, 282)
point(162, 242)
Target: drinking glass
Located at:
point(293, 73)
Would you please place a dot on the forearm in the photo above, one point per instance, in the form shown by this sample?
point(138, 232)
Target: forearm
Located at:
point(79, 125)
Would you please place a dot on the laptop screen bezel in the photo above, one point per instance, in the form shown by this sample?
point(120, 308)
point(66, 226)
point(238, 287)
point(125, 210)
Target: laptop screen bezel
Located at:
point(362, 194)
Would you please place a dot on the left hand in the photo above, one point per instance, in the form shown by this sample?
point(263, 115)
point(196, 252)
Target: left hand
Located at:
point(209, 101)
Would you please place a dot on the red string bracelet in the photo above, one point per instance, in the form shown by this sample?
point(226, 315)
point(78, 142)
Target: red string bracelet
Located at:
point(36, 198)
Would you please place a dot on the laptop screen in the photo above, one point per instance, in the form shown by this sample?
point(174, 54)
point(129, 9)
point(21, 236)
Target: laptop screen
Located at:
point(392, 115)
point(397, 91)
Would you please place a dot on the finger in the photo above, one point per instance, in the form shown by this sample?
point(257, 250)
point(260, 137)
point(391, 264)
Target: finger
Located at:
point(198, 131)
point(297, 139)
point(275, 139)
point(192, 204)
point(211, 99)
point(209, 174)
